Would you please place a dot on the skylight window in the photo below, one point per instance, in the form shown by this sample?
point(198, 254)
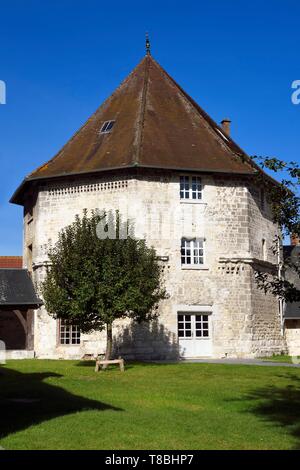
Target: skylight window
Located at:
point(107, 127)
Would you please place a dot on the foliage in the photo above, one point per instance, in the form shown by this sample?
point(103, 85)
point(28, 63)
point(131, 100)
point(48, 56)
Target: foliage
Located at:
point(283, 197)
point(93, 281)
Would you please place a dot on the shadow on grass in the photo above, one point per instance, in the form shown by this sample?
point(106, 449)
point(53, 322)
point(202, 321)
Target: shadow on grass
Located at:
point(280, 405)
point(25, 400)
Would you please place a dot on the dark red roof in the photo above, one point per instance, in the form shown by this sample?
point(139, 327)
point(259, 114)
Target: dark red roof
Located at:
point(11, 262)
point(156, 125)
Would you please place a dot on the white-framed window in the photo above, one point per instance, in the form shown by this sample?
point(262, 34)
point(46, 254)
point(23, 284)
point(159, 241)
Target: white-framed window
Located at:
point(68, 334)
point(184, 325)
point(193, 325)
point(202, 326)
point(192, 252)
point(190, 188)
point(107, 127)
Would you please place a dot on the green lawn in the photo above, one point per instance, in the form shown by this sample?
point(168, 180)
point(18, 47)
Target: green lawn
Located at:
point(65, 405)
point(279, 358)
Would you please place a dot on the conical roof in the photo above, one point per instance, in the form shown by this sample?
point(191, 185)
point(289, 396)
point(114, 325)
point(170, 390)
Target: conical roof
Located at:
point(157, 125)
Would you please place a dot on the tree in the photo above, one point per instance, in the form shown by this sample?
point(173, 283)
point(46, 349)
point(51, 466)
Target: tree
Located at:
point(284, 199)
point(99, 273)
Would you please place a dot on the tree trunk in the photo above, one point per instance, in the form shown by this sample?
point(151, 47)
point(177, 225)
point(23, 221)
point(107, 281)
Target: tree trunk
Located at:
point(108, 342)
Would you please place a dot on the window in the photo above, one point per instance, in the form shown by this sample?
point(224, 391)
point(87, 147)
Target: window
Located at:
point(184, 326)
point(201, 326)
point(68, 334)
point(193, 325)
point(107, 127)
point(192, 252)
point(190, 188)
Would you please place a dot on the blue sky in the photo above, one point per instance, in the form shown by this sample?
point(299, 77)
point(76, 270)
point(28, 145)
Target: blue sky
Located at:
point(61, 58)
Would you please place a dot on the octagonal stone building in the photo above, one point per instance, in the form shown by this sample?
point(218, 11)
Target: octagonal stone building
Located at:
point(152, 153)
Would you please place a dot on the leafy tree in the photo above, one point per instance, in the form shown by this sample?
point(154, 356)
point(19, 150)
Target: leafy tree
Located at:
point(283, 196)
point(99, 273)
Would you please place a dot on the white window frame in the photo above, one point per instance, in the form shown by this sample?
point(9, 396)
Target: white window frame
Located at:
point(184, 322)
point(194, 244)
point(190, 317)
point(73, 333)
point(190, 188)
point(106, 125)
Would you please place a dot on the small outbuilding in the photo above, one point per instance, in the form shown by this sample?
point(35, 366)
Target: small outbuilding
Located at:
point(18, 299)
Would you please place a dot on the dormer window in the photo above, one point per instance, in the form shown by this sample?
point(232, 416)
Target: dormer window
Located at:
point(107, 127)
point(190, 188)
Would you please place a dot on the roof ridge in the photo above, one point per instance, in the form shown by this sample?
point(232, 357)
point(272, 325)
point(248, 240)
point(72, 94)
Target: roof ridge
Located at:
point(158, 125)
point(140, 131)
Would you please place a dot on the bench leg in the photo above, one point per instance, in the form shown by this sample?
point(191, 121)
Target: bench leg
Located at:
point(97, 366)
point(122, 365)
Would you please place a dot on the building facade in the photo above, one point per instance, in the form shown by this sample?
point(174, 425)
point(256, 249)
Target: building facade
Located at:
point(292, 310)
point(153, 154)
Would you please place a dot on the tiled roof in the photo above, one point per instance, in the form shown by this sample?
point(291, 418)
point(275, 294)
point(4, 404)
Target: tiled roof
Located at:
point(157, 125)
point(11, 262)
point(17, 290)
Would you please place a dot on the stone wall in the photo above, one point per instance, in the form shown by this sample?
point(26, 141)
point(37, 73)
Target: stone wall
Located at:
point(266, 328)
point(292, 334)
point(230, 220)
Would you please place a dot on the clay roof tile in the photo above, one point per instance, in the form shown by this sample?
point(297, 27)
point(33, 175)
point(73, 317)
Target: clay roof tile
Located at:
point(156, 125)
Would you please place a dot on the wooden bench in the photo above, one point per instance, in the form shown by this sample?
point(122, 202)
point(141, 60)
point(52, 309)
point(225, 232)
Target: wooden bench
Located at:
point(103, 362)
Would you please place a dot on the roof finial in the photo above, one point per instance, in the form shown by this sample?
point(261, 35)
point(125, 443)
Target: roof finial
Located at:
point(148, 51)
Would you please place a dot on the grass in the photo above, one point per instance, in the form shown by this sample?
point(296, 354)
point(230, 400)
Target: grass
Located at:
point(65, 405)
point(279, 358)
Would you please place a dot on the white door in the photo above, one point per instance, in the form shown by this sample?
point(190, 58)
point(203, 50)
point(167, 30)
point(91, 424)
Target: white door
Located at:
point(194, 334)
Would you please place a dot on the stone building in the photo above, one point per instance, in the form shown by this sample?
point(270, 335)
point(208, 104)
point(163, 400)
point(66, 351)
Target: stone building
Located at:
point(292, 310)
point(153, 153)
